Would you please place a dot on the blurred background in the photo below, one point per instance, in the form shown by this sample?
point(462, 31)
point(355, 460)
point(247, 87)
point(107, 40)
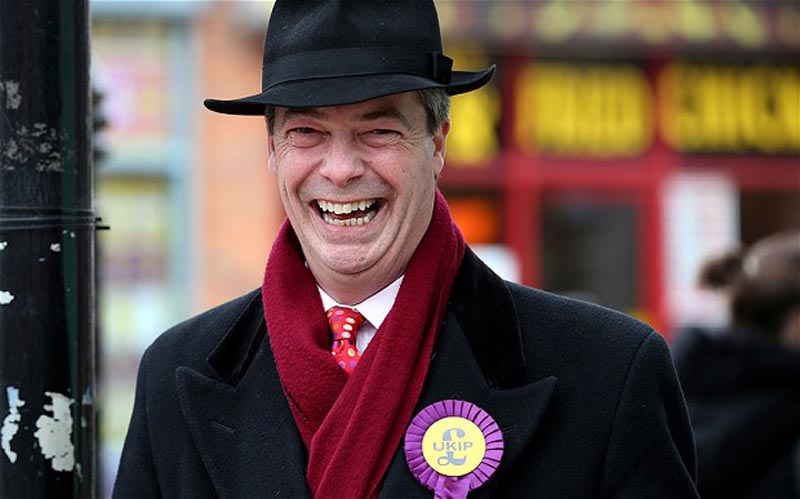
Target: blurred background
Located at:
point(620, 145)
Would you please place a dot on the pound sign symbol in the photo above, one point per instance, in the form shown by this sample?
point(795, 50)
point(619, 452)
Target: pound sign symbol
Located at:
point(450, 458)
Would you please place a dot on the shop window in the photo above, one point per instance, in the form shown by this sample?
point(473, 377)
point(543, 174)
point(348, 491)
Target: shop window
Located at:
point(589, 251)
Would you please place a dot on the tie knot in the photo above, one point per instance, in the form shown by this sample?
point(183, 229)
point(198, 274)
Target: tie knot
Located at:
point(344, 322)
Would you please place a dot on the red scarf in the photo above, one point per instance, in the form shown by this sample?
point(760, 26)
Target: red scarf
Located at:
point(353, 427)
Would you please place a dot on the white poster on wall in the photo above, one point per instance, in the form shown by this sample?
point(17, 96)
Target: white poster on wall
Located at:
point(701, 213)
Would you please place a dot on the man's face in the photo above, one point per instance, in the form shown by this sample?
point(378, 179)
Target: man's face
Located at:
point(357, 182)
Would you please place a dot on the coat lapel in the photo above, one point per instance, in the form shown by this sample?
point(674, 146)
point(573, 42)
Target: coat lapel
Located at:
point(479, 358)
point(241, 423)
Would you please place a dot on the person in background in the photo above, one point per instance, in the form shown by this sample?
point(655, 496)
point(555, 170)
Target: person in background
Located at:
point(743, 384)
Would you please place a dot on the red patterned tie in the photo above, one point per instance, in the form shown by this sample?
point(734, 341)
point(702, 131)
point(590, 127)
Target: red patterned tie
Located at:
point(344, 323)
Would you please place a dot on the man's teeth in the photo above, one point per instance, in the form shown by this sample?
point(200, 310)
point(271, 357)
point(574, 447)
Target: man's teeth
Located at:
point(345, 208)
point(348, 221)
point(329, 209)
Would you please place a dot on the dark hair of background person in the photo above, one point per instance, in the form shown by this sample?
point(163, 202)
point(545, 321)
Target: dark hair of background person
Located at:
point(763, 283)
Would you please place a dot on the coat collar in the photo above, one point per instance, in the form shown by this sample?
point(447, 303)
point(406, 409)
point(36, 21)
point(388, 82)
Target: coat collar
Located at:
point(240, 422)
point(244, 430)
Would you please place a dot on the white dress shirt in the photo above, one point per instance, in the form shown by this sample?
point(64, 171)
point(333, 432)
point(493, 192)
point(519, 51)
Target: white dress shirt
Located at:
point(374, 309)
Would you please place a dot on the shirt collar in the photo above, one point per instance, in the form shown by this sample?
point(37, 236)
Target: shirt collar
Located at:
point(375, 308)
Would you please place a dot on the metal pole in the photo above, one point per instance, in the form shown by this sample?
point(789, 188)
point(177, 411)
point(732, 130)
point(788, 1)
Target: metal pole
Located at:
point(47, 244)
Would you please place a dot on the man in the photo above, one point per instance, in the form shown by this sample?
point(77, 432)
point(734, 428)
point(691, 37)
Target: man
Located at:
point(269, 395)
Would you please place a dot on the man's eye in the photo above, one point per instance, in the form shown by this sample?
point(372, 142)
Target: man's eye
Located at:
point(304, 136)
point(379, 137)
point(303, 130)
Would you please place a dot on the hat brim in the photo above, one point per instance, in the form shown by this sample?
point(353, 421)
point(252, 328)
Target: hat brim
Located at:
point(322, 92)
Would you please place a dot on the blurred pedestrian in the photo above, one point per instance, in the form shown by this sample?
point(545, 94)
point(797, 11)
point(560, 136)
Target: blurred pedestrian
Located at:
point(743, 384)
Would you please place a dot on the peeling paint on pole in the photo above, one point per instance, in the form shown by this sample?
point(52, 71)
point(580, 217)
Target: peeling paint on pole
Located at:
point(55, 433)
point(6, 297)
point(39, 146)
point(11, 422)
point(10, 89)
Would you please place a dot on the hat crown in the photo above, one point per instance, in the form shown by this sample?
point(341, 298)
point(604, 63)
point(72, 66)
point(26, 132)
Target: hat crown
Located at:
point(335, 52)
point(298, 26)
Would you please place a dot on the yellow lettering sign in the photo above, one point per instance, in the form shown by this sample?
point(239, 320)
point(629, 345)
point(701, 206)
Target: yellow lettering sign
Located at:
point(717, 108)
point(597, 110)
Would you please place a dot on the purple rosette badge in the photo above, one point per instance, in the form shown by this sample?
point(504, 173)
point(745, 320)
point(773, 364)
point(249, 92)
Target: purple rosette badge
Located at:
point(452, 447)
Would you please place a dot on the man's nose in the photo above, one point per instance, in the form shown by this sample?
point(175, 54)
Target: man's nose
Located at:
point(342, 162)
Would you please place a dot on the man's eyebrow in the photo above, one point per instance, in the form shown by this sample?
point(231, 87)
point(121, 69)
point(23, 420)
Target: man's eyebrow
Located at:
point(387, 112)
point(294, 112)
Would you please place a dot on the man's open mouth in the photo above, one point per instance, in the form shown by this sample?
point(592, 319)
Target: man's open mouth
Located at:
point(346, 214)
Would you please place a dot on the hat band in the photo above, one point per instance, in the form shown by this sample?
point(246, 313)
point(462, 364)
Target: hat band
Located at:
point(335, 63)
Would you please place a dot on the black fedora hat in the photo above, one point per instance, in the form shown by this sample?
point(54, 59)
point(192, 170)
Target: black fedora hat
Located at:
point(333, 52)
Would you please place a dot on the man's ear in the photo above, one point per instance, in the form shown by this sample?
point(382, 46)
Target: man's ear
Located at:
point(439, 143)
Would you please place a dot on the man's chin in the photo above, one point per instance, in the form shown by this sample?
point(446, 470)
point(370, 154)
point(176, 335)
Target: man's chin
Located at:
point(345, 259)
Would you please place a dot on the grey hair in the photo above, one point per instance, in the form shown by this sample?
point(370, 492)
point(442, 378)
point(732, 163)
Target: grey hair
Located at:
point(435, 101)
point(437, 107)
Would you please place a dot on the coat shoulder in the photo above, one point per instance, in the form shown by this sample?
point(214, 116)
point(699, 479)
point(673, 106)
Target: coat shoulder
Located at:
point(510, 326)
point(591, 349)
point(550, 320)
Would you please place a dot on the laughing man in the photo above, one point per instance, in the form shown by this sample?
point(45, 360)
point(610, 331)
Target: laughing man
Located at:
point(378, 338)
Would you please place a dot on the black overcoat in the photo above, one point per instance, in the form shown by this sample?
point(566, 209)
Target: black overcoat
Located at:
point(587, 399)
